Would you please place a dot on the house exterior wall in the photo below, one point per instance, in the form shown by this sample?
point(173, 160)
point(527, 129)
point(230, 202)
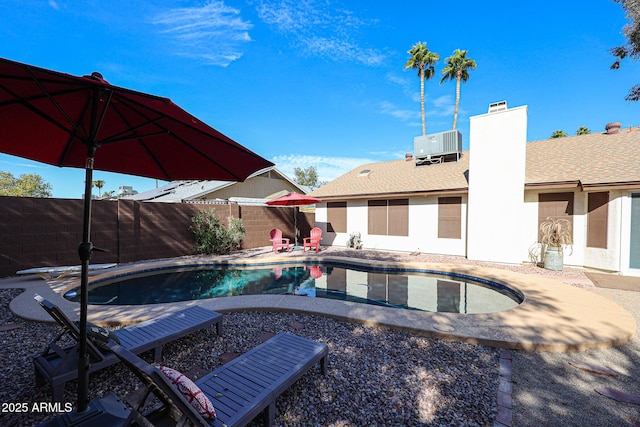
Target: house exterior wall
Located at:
point(497, 145)
point(423, 228)
point(608, 258)
point(257, 187)
point(625, 235)
point(423, 234)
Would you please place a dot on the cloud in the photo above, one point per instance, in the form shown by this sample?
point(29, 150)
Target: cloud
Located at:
point(213, 33)
point(54, 4)
point(410, 85)
point(320, 29)
point(390, 109)
point(442, 106)
point(22, 165)
point(344, 50)
point(328, 167)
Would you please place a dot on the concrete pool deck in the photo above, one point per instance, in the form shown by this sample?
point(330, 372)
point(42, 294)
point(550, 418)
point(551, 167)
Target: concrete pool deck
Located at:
point(553, 316)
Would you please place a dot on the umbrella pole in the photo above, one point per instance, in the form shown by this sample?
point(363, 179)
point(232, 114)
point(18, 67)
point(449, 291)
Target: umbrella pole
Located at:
point(295, 226)
point(84, 251)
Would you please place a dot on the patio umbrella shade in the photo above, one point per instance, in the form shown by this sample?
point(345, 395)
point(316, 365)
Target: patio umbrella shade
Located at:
point(63, 120)
point(294, 199)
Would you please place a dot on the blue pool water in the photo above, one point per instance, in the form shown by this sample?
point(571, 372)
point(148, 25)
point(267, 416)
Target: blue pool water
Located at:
point(415, 290)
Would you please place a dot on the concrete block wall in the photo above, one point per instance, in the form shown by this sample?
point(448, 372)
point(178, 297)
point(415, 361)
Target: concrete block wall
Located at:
point(38, 232)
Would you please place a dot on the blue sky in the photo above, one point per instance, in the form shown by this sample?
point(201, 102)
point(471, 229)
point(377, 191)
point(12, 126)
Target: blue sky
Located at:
point(321, 82)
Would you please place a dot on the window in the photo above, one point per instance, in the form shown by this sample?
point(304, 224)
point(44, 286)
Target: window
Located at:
point(337, 217)
point(449, 217)
point(555, 205)
point(389, 217)
point(597, 218)
point(398, 215)
point(377, 217)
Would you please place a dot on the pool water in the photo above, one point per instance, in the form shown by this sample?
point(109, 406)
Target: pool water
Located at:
point(394, 288)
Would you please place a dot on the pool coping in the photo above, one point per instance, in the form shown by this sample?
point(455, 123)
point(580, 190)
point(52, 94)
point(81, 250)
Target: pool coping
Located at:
point(553, 316)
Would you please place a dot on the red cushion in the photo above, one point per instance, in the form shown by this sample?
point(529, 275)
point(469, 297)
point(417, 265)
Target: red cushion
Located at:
point(191, 392)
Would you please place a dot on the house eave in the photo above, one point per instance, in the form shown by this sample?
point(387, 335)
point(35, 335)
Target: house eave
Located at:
point(393, 195)
point(552, 185)
point(629, 185)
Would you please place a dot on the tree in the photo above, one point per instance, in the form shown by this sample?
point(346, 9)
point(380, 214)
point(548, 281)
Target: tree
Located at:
point(457, 67)
point(307, 177)
point(27, 185)
point(558, 134)
point(632, 47)
point(98, 184)
point(583, 130)
point(422, 60)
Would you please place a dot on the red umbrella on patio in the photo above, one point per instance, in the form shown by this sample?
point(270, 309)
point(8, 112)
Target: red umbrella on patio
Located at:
point(294, 199)
point(63, 120)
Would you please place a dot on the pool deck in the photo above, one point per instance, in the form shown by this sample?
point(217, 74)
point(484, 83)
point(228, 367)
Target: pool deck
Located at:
point(553, 316)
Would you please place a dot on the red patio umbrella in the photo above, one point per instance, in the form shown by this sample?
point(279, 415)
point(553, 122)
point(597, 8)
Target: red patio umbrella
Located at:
point(294, 199)
point(63, 120)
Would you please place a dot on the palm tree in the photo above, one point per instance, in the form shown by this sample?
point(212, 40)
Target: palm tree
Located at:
point(558, 134)
point(583, 130)
point(422, 60)
point(99, 184)
point(457, 67)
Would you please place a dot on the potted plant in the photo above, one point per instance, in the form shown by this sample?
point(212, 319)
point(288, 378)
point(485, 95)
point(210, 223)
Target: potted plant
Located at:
point(555, 234)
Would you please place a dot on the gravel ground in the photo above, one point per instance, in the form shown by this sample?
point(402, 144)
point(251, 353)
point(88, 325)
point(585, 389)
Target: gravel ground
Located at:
point(376, 376)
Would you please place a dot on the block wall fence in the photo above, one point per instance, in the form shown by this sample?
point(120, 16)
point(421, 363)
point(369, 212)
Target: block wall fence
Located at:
point(41, 232)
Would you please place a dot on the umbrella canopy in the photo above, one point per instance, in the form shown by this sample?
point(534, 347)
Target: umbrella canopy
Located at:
point(63, 120)
point(54, 118)
point(293, 199)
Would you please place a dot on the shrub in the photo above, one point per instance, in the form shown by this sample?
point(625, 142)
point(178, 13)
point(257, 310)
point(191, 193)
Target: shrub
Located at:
point(212, 237)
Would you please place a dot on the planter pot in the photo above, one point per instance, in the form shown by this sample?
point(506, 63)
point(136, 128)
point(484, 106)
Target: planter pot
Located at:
point(553, 258)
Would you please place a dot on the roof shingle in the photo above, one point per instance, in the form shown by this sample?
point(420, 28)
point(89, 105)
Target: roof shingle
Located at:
point(593, 159)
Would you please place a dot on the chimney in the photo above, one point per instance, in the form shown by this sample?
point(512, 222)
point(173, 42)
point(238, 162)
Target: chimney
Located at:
point(408, 157)
point(613, 128)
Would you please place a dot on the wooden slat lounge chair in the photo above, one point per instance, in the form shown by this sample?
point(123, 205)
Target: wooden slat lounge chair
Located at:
point(240, 390)
point(57, 365)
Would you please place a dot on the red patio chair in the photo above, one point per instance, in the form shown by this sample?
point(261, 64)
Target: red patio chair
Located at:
point(278, 240)
point(313, 240)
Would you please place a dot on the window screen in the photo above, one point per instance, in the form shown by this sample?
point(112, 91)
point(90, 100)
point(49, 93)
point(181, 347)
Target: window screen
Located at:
point(337, 217)
point(597, 218)
point(450, 217)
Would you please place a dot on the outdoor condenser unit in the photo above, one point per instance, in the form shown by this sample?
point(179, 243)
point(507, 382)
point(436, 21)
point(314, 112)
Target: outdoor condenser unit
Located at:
point(437, 144)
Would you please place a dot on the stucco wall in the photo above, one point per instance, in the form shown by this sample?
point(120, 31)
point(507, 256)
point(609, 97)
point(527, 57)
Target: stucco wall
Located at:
point(497, 161)
point(423, 228)
point(609, 258)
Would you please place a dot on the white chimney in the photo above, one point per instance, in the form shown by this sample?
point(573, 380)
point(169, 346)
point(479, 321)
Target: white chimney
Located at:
point(497, 161)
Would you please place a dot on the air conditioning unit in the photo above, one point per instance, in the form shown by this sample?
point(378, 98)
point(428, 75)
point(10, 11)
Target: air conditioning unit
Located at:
point(437, 144)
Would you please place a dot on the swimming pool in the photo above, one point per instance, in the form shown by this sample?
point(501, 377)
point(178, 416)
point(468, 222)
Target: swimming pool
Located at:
point(422, 290)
